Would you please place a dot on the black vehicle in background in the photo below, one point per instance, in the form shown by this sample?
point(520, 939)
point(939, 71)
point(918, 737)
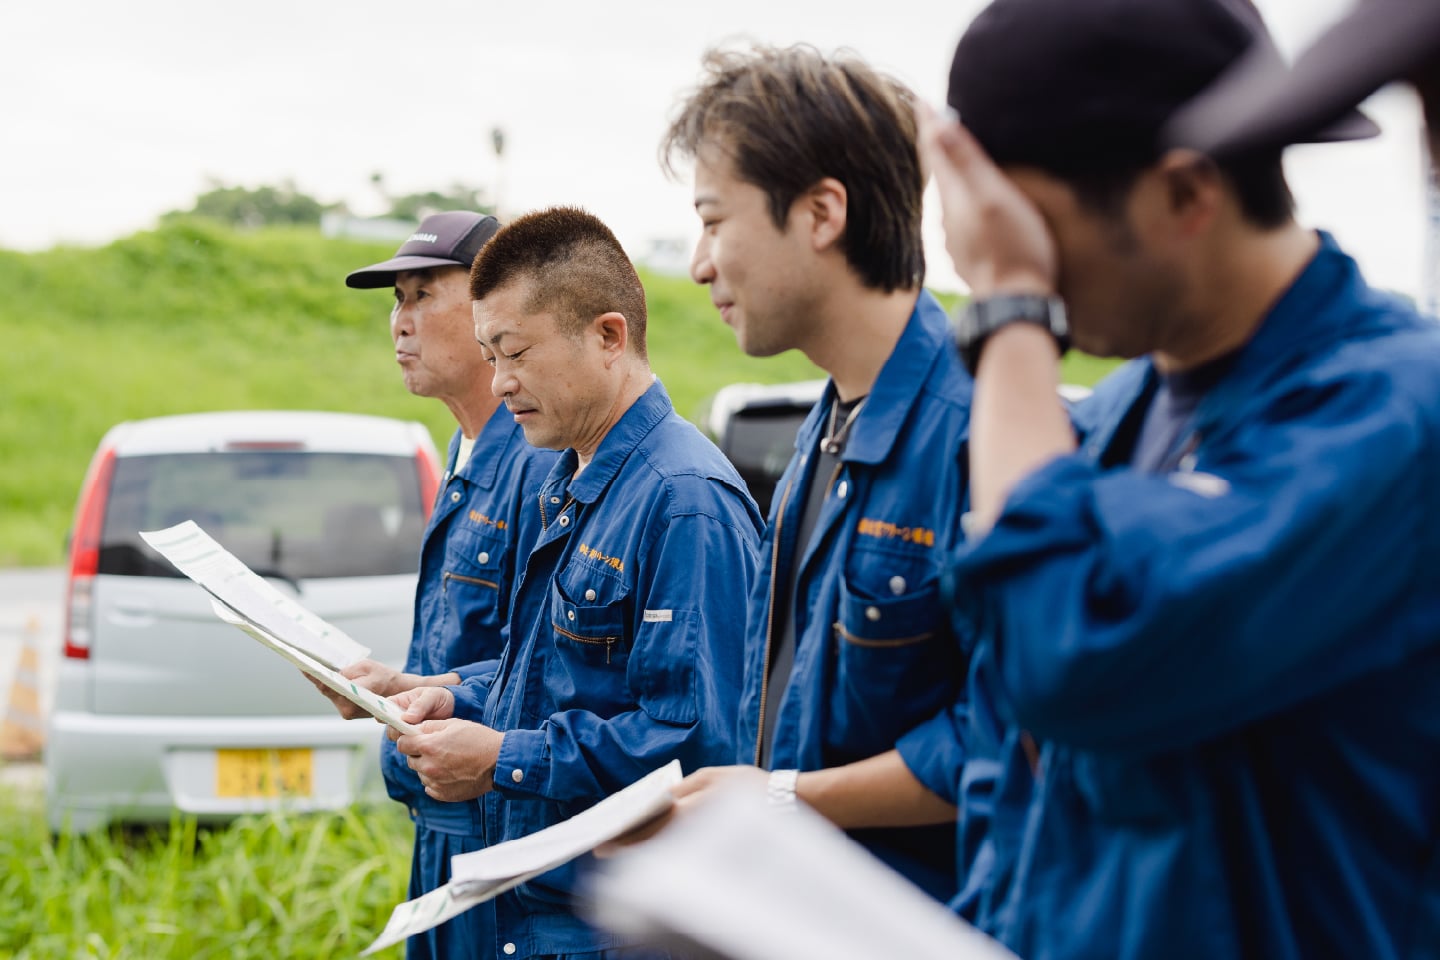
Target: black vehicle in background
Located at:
point(754, 425)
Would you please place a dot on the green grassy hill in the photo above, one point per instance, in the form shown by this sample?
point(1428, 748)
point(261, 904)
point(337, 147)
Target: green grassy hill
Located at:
point(195, 316)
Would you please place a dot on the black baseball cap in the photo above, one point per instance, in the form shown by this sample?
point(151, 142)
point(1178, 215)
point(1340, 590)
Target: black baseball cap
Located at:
point(1259, 105)
point(1077, 87)
point(450, 239)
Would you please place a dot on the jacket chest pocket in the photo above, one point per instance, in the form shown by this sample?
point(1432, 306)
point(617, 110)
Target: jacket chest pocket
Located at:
point(895, 663)
point(589, 614)
point(474, 587)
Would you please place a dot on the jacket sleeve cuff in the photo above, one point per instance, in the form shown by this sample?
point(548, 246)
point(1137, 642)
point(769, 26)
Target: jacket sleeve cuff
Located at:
point(522, 768)
point(484, 671)
point(470, 697)
point(935, 755)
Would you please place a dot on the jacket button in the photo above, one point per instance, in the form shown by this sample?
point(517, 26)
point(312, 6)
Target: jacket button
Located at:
point(414, 812)
point(570, 614)
point(564, 521)
point(897, 585)
point(872, 614)
point(552, 500)
point(509, 949)
point(590, 595)
point(842, 489)
point(517, 775)
point(483, 558)
point(455, 496)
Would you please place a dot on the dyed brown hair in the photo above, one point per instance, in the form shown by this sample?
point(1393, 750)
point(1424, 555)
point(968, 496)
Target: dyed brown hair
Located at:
point(788, 118)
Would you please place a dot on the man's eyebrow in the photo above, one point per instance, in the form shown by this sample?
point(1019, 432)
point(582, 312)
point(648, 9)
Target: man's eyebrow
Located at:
point(495, 340)
point(703, 199)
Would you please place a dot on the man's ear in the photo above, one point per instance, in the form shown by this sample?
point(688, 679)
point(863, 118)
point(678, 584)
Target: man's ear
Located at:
point(611, 330)
point(1194, 189)
point(825, 206)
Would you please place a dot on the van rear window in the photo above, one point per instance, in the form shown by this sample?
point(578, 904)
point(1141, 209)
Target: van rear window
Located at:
point(292, 515)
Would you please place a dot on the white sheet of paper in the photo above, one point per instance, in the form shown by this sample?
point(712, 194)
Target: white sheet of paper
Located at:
point(201, 558)
point(637, 804)
point(372, 703)
point(747, 881)
point(434, 908)
point(485, 873)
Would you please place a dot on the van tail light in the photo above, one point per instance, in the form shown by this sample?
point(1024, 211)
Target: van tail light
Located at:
point(429, 472)
point(85, 554)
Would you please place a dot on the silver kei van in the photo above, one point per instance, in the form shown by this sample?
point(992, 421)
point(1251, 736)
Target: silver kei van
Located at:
point(160, 706)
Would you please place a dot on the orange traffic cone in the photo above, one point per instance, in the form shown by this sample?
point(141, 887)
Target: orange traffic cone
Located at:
point(22, 735)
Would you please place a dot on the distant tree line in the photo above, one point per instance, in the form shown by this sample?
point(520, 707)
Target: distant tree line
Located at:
point(286, 204)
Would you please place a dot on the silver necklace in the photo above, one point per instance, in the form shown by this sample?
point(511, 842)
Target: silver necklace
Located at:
point(834, 440)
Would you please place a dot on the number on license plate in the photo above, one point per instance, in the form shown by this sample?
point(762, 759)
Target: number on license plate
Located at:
point(264, 773)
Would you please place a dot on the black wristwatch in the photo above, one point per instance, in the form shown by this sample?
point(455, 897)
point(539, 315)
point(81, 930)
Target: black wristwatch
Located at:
point(980, 318)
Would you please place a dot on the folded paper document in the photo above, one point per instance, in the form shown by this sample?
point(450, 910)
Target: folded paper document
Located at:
point(743, 880)
point(485, 874)
point(372, 703)
point(246, 600)
point(225, 577)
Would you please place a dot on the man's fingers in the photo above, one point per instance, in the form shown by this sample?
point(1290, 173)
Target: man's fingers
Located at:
point(425, 703)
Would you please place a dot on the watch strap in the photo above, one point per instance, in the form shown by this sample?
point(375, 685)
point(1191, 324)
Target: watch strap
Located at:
point(981, 318)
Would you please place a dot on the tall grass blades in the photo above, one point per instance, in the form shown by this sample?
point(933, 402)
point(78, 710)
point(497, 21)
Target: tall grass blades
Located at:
point(278, 886)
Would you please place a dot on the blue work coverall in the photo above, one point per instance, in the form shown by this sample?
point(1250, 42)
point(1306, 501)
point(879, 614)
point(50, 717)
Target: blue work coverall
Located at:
point(1232, 669)
point(873, 653)
point(625, 651)
point(479, 532)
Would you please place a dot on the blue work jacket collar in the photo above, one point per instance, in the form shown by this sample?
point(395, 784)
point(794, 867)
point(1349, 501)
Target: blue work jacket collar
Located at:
point(1302, 321)
point(894, 392)
point(484, 464)
point(633, 426)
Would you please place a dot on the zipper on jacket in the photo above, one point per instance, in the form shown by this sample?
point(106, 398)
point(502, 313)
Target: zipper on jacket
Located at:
point(846, 636)
point(448, 576)
point(607, 642)
point(770, 619)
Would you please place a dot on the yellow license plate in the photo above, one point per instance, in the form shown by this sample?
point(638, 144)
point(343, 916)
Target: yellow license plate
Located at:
point(264, 773)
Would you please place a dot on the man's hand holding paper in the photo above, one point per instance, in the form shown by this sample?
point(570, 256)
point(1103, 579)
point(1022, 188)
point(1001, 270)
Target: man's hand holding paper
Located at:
point(455, 759)
point(371, 675)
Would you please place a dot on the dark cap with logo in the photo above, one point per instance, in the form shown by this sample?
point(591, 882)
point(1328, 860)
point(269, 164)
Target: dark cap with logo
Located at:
point(1260, 105)
point(1085, 87)
point(450, 239)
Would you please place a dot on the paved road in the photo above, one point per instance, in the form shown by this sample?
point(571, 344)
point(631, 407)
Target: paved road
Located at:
point(31, 610)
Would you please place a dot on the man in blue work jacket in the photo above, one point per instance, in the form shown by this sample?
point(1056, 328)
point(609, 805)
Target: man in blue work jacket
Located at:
point(818, 249)
point(1214, 628)
point(479, 532)
point(627, 631)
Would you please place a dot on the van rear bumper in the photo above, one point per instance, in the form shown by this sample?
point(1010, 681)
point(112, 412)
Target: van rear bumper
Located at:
point(100, 768)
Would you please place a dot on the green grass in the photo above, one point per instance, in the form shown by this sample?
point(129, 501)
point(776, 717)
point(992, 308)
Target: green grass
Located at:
point(311, 886)
point(195, 316)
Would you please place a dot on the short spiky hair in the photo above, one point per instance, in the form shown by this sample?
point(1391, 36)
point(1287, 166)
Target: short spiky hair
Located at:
point(788, 118)
point(576, 268)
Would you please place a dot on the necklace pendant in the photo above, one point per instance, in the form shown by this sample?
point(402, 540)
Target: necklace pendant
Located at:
point(830, 446)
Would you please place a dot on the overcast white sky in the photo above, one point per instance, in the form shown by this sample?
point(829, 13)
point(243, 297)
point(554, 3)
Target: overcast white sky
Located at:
point(116, 112)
